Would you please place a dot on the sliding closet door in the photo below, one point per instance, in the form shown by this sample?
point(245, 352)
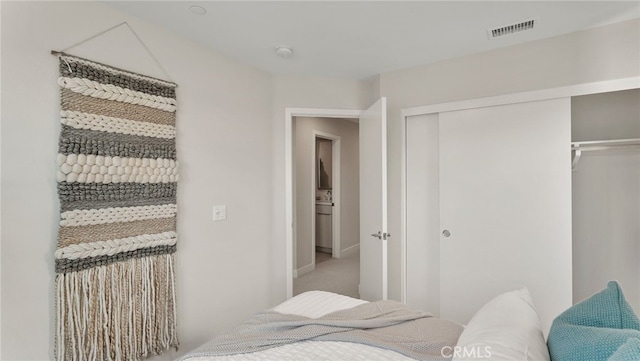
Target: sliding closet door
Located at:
point(505, 206)
point(423, 214)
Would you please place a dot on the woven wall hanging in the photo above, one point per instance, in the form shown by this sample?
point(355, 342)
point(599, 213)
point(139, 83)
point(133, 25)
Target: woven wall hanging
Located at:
point(117, 179)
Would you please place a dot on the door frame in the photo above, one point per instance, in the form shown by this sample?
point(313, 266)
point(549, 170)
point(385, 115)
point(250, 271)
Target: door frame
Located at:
point(335, 194)
point(544, 94)
point(290, 113)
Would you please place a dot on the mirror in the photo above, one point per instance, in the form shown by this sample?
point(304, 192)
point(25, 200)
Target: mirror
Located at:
point(324, 163)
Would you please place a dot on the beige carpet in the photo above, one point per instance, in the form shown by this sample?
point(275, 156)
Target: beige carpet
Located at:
point(337, 275)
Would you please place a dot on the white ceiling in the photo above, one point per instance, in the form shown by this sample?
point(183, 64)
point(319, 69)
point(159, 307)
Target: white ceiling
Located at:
point(359, 39)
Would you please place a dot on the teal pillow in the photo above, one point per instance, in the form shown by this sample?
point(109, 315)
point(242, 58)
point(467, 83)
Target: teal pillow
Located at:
point(595, 328)
point(629, 351)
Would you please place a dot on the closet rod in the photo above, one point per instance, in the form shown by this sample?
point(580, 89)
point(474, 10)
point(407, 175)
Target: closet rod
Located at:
point(578, 147)
point(606, 147)
point(605, 143)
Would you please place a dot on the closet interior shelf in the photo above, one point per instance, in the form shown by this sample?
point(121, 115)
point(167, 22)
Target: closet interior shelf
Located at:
point(578, 147)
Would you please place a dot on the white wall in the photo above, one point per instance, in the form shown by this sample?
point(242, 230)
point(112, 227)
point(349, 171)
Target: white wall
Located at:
point(606, 116)
point(224, 119)
point(606, 196)
point(609, 52)
point(304, 146)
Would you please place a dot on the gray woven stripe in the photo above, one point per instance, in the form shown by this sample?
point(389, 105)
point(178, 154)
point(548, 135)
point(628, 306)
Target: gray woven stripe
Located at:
point(83, 204)
point(104, 232)
point(101, 76)
point(113, 192)
point(83, 141)
point(74, 265)
point(70, 100)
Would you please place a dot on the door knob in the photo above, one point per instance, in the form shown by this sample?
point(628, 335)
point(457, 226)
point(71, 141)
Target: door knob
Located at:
point(446, 233)
point(381, 235)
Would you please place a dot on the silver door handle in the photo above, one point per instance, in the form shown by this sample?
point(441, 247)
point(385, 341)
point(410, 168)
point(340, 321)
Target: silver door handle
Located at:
point(381, 235)
point(446, 233)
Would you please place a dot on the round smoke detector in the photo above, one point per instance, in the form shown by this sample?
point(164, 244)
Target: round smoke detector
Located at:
point(284, 52)
point(197, 9)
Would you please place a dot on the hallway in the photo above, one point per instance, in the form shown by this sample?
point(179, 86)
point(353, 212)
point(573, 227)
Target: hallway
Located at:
point(337, 275)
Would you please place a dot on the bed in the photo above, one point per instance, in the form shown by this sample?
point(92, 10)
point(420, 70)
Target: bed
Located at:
point(315, 305)
point(312, 304)
point(603, 327)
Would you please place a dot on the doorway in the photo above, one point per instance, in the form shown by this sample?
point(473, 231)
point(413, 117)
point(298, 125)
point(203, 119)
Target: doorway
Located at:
point(372, 153)
point(326, 205)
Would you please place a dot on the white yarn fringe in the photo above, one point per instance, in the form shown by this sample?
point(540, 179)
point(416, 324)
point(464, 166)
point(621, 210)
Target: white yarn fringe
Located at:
point(122, 311)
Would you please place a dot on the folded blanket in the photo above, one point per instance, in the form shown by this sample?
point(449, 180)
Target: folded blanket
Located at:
point(385, 324)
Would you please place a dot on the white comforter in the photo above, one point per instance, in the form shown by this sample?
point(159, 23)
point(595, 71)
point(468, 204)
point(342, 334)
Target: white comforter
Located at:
point(314, 304)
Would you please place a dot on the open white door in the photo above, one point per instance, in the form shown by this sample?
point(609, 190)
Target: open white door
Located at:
point(373, 202)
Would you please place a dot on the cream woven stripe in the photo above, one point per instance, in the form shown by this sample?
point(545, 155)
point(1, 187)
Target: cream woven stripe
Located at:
point(80, 120)
point(104, 232)
point(113, 246)
point(116, 93)
point(84, 217)
point(108, 161)
point(79, 102)
point(116, 71)
point(105, 178)
point(83, 168)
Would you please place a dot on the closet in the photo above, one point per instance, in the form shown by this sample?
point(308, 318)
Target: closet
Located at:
point(503, 215)
point(491, 202)
point(605, 134)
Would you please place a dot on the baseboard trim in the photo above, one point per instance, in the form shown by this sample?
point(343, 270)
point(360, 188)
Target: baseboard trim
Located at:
point(303, 270)
point(350, 250)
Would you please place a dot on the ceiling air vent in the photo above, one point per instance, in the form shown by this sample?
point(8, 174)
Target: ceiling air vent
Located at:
point(511, 29)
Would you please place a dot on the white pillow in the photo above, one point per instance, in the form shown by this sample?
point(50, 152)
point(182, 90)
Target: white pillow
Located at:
point(507, 328)
point(314, 304)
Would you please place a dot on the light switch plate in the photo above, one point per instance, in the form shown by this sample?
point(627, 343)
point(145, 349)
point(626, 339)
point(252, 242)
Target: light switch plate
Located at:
point(219, 212)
